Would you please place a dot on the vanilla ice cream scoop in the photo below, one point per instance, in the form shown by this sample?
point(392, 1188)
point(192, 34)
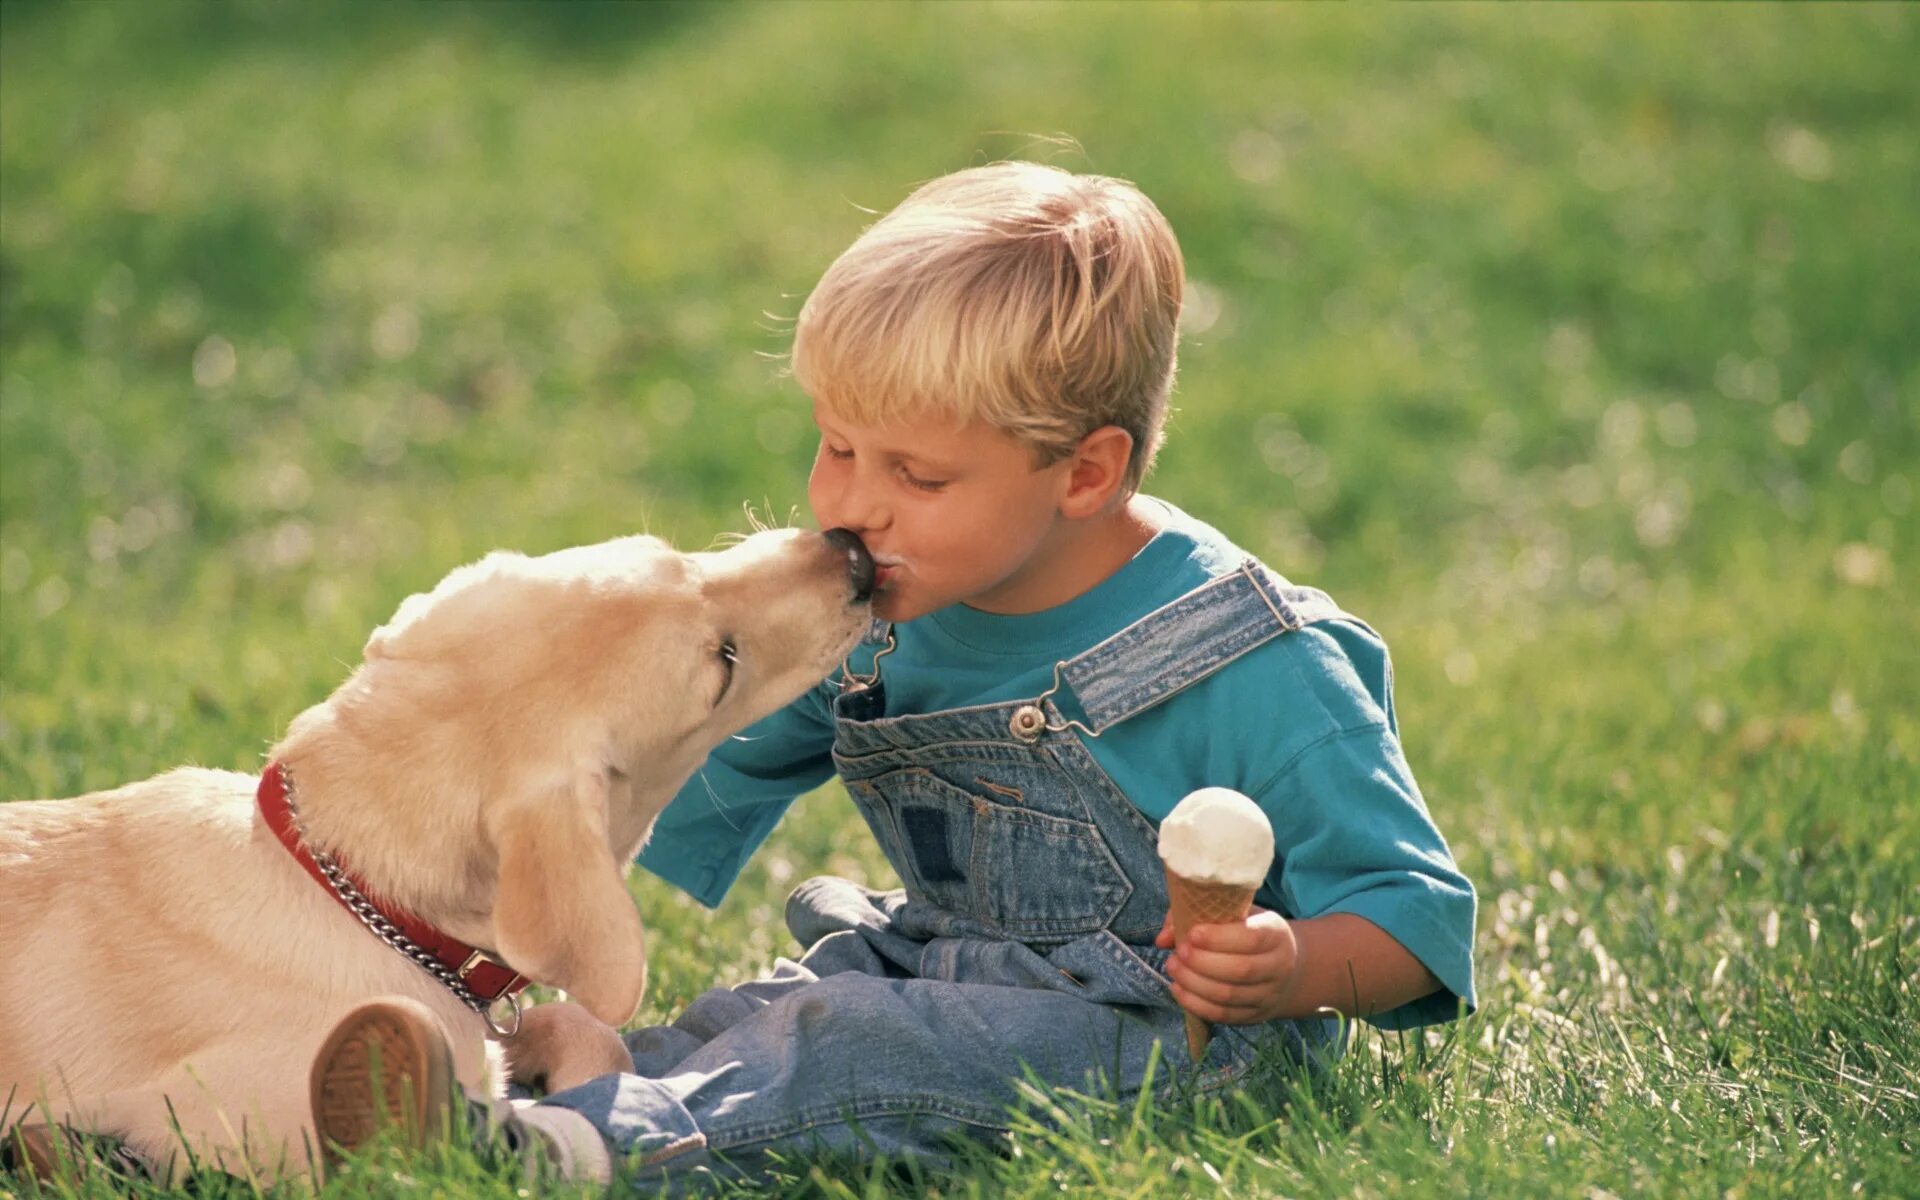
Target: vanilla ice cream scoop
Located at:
point(1217, 835)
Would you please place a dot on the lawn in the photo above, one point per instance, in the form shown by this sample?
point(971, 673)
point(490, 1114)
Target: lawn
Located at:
point(1575, 349)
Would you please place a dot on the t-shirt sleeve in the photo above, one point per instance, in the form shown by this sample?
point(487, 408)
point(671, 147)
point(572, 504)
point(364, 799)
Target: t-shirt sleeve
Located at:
point(727, 808)
point(1354, 836)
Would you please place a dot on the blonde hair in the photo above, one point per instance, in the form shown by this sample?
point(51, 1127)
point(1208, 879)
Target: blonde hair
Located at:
point(1043, 303)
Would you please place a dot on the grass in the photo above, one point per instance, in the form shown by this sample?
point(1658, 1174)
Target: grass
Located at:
point(1575, 349)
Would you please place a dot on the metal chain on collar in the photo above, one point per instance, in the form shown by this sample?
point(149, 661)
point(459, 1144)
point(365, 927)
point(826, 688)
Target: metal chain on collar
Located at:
point(388, 932)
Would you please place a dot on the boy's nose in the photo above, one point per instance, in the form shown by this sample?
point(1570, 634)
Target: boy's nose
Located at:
point(860, 511)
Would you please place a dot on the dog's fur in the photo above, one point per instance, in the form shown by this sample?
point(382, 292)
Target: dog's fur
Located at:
point(493, 766)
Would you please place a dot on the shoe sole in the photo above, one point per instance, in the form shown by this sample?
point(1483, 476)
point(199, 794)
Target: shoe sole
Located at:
point(30, 1150)
point(49, 1155)
point(385, 1064)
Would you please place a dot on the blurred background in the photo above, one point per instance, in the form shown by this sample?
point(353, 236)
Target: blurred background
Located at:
point(1575, 349)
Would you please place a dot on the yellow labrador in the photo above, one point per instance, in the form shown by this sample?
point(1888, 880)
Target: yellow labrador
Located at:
point(491, 768)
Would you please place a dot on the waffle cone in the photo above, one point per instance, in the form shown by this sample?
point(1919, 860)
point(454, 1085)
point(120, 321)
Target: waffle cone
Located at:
point(1193, 902)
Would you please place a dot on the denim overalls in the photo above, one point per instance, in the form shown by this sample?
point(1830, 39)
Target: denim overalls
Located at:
point(1022, 940)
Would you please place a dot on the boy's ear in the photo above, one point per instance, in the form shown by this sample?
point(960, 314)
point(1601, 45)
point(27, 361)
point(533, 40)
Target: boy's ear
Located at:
point(1099, 468)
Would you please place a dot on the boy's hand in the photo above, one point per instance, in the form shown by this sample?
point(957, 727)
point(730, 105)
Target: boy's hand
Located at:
point(1234, 974)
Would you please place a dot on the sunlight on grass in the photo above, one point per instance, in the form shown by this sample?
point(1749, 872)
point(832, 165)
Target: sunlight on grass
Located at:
point(1575, 350)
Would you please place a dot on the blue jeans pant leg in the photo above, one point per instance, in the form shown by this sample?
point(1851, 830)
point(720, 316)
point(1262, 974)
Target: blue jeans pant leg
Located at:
point(639, 1115)
point(862, 1064)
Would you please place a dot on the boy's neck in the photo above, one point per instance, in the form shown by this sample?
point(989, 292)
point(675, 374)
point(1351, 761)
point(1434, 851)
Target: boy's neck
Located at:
point(1076, 557)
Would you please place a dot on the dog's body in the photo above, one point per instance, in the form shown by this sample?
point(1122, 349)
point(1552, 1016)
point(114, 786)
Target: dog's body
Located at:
point(174, 951)
point(492, 768)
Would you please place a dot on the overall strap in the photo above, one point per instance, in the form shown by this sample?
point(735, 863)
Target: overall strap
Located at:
point(1183, 642)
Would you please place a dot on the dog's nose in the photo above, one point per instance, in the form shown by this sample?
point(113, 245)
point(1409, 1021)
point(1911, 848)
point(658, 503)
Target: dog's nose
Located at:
point(859, 562)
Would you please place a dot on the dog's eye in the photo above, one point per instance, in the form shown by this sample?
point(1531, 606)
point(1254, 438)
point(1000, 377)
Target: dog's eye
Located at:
point(729, 655)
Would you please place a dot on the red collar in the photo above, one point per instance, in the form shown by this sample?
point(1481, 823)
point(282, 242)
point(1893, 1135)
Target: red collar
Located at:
point(485, 977)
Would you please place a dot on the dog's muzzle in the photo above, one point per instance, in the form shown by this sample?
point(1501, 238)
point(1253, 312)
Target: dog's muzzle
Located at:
point(859, 562)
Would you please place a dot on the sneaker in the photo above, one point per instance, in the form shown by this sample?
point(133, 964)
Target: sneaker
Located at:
point(386, 1064)
point(557, 1141)
point(53, 1153)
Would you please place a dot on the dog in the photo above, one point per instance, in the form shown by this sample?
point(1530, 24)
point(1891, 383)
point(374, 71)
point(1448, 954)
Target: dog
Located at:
point(486, 775)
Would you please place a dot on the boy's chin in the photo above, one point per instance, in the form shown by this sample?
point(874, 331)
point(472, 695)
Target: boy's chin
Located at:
point(890, 604)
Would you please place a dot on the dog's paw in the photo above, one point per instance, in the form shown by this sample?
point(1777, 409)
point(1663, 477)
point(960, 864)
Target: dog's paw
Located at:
point(562, 1045)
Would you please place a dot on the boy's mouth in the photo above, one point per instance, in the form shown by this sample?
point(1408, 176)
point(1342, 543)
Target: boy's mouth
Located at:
point(885, 571)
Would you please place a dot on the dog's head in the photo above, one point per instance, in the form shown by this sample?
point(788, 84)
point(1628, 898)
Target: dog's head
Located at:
point(529, 717)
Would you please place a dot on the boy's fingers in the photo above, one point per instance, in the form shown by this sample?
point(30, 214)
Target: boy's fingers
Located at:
point(1214, 988)
point(1208, 1010)
point(1238, 938)
point(1226, 972)
point(1227, 968)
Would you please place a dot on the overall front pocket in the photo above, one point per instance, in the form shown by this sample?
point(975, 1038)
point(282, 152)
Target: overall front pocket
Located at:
point(1038, 876)
point(994, 858)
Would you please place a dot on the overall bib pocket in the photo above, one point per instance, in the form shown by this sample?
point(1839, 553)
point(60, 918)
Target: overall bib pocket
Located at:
point(892, 826)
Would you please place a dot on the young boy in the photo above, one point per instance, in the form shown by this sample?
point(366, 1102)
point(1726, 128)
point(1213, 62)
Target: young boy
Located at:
point(1058, 660)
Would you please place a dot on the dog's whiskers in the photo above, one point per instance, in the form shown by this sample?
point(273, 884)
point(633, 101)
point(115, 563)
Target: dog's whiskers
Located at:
point(719, 805)
point(761, 524)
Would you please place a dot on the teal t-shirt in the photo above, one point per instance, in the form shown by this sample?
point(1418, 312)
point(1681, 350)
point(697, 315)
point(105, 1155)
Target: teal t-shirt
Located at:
point(1303, 724)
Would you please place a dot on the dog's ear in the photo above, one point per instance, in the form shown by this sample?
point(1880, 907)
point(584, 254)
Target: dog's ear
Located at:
point(561, 912)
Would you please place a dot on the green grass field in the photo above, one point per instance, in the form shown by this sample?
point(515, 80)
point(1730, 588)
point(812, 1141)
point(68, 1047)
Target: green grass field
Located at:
point(1575, 349)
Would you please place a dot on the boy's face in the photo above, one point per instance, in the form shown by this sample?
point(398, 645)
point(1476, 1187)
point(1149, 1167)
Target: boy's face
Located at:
point(950, 514)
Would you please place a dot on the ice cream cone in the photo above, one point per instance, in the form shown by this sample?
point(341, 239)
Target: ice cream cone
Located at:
point(1217, 847)
point(1193, 902)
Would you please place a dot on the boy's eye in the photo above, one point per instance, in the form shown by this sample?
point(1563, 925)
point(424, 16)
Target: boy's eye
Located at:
point(925, 485)
point(906, 476)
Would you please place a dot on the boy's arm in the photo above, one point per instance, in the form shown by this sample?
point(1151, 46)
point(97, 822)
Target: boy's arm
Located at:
point(1383, 918)
point(1346, 962)
point(1386, 931)
point(1268, 967)
point(706, 834)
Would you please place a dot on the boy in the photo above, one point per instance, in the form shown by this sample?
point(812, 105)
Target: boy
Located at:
point(1058, 659)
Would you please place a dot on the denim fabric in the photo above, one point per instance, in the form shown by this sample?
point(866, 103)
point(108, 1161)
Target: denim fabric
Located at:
point(1021, 941)
point(1150, 660)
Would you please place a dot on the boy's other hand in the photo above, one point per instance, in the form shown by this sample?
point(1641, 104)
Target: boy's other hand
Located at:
point(1238, 973)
